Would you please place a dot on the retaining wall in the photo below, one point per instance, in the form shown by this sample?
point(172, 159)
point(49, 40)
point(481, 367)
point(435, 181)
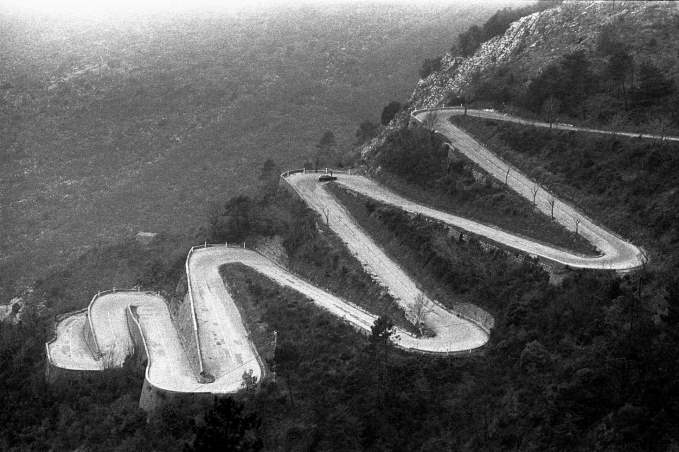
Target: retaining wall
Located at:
point(153, 398)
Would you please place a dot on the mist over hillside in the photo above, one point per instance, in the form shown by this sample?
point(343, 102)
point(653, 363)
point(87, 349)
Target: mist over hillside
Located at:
point(109, 128)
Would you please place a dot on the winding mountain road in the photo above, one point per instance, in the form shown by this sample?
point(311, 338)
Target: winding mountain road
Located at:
point(220, 351)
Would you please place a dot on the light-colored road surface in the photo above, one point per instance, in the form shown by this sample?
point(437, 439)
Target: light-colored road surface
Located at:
point(69, 350)
point(225, 350)
point(492, 114)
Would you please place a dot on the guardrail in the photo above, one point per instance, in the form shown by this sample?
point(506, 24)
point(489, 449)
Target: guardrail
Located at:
point(491, 113)
point(285, 174)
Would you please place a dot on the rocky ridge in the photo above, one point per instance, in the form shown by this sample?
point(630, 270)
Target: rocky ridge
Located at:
point(648, 29)
point(536, 40)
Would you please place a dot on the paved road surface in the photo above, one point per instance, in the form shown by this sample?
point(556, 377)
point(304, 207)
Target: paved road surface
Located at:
point(492, 114)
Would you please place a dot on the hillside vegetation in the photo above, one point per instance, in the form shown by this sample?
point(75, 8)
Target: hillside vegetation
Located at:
point(608, 63)
point(108, 128)
point(544, 381)
point(590, 363)
point(627, 183)
point(413, 161)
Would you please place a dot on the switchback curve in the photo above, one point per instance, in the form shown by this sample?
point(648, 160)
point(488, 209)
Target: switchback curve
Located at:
point(221, 351)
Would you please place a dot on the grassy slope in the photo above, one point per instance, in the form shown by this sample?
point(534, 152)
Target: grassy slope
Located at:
point(183, 111)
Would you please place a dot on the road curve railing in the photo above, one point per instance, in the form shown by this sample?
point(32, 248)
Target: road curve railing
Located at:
point(489, 113)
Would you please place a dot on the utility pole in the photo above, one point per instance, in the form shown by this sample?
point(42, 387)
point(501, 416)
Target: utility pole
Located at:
point(273, 366)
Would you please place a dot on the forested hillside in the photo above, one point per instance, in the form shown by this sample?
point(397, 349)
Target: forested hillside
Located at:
point(108, 127)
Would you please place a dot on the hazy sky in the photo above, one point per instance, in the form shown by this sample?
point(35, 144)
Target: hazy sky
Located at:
point(137, 6)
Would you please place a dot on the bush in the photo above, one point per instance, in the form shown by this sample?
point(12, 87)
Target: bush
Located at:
point(389, 112)
point(416, 154)
point(429, 66)
point(470, 40)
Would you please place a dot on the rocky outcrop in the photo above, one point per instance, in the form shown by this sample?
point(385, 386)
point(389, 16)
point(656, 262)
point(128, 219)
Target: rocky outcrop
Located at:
point(648, 29)
point(534, 41)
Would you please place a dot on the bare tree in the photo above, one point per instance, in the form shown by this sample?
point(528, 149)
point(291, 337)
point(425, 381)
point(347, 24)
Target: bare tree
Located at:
point(101, 63)
point(617, 122)
point(551, 202)
point(421, 307)
point(214, 215)
point(468, 98)
point(577, 224)
point(659, 126)
point(249, 381)
point(535, 189)
point(551, 109)
point(429, 121)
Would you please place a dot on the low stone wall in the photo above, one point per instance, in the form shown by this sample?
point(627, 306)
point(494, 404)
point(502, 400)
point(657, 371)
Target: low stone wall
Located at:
point(140, 354)
point(152, 399)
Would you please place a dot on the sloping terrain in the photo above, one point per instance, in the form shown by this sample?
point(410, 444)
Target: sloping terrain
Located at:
point(646, 29)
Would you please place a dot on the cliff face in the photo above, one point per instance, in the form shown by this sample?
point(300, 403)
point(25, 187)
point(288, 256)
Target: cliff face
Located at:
point(649, 29)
